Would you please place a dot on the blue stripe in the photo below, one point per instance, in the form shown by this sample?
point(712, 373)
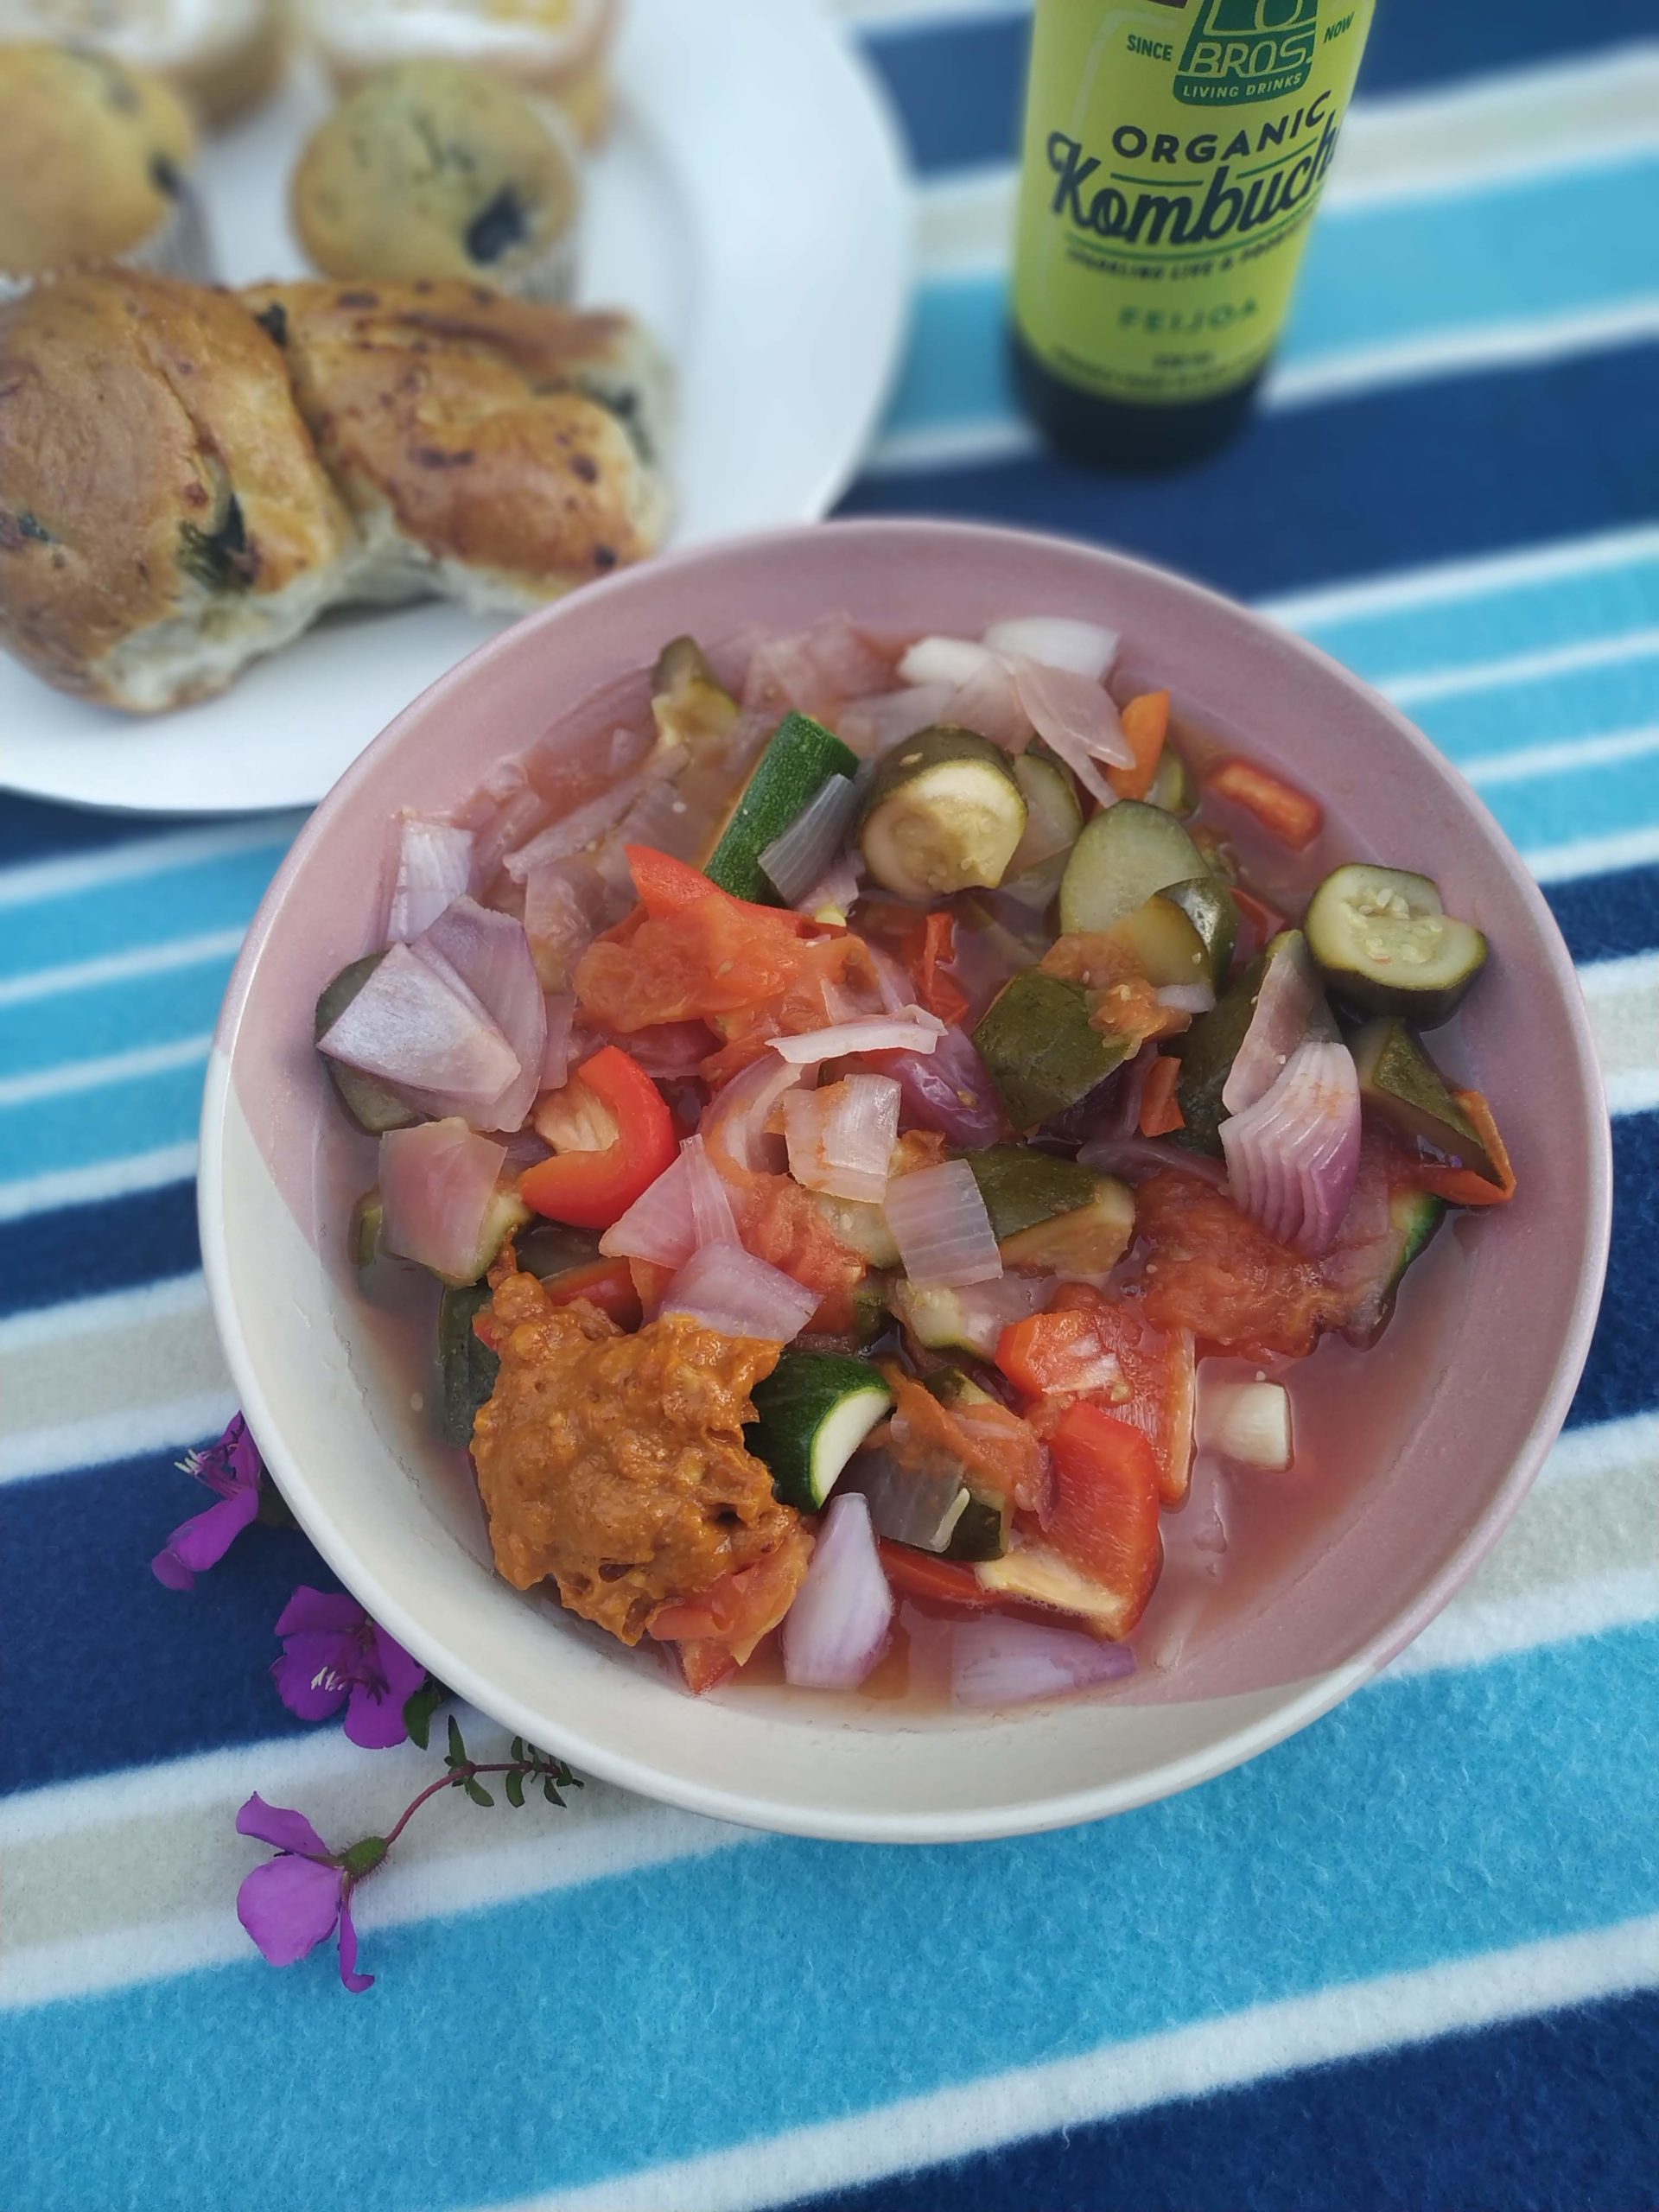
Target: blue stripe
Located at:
point(1510, 252)
point(115, 1017)
point(1608, 917)
point(1581, 802)
point(73, 1251)
point(1396, 479)
point(46, 1135)
point(793, 1982)
point(1580, 702)
point(186, 900)
point(960, 86)
point(1537, 2115)
point(146, 1673)
point(1621, 1375)
point(35, 829)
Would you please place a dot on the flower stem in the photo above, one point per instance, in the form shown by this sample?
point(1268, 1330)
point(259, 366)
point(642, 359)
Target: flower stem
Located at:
point(455, 1779)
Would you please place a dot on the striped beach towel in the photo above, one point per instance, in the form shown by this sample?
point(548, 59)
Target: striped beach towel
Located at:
point(1408, 1962)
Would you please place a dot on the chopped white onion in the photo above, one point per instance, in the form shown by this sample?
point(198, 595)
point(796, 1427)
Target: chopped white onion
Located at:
point(438, 1182)
point(1057, 641)
point(841, 1139)
point(1187, 998)
point(728, 1289)
point(912, 1030)
point(1248, 1423)
point(995, 1662)
point(658, 1226)
point(837, 1627)
point(1279, 1021)
point(434, 865)
point(426, 1034)
point(1076, 719)
point(905, 1504)
point(953, 661)
point(712, 1218)
point(734, 1126)
point(793, 862)
point(988, 703)
point(1294, 1156)
point(567, 904)
point(559, 1045)
point(940, 1226)
point(835, 890)
point(873, 727)
point(491, 955)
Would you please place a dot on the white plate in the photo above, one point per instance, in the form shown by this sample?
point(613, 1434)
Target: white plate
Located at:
point(751, 205)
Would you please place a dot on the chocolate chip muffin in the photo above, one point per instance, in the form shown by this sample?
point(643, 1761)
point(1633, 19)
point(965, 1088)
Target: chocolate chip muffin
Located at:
point(94, 167)
point(433, 169)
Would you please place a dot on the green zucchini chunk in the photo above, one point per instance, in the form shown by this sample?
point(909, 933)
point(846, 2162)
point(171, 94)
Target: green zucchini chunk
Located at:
point(812, 1413)
point(946, 813)
point(1124, 854)
point(787, 776)
point(1039, 1050)
point(371, 1105)
point(1382, 943)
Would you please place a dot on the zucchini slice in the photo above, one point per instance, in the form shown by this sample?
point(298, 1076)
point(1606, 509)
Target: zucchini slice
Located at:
point(1085, 1242)
point(1382, 942)
point(687, 706)
point(1208, 903)
point(1053, 813)
point(1039, 1048)
point(1172, 787)
point(1403, 1088)
point(1124, 855)
point(1022, 1188)
point(939, 1322)
point(812, 1413)
point(861, 1226)
point(945, 814)
point(788, 775)
point(1207, 1052)
point(1413, 1217)
point(1042, 1576)
point(467, 1369)
point(371, 1105)
point(983, 1529)
point(363, 1238)
point(1163, 942)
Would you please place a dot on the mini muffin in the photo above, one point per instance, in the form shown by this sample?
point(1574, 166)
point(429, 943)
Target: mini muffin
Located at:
point(164, 517)
point(433, 169)
point(221, 55)
point(557, 48)
point(94, 167)
point(497, 449)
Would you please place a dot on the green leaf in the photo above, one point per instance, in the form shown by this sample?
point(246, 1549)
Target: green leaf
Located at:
point(550, 1792)
point(515, 1787)
point(457, 1749)
point(517, 1750)
point(419, 1707)
point(477, 1792)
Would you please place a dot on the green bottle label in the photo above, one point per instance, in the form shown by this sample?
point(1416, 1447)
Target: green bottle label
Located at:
point(1158, 246)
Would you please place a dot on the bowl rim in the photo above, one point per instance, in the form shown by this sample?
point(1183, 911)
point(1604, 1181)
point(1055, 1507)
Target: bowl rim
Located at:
point(1317, 1695)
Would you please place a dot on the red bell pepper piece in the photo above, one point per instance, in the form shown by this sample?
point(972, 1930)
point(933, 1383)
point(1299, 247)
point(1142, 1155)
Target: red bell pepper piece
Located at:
point(1283, 812)
point(1104, 1516)
point(1160, 1110)
point(608, 1284)
point(666, 885)
point(936, 1582)
point(591, 1190)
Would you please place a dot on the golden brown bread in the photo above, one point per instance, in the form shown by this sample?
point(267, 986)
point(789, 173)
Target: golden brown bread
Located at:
point(164, 514)
point(495, 449)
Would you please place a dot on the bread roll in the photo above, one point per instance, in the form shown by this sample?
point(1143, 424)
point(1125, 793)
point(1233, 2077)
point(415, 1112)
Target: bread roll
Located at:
point(164, 517)
point(495, 449)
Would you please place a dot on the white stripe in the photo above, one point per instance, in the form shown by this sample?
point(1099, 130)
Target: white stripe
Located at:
point(1474, 578)
point(1413, 688)
point(103, 1314)
point(1633, 1090)
point(1594, 855)
point(102, 1181)
point(1565, 753)
point(981, 443)
point(1252, 2045)
point(121, 967)
point(1473, 1634)
point(96, 1442)
point(1582, 1453)
point(111, 1068)
point(78, 872)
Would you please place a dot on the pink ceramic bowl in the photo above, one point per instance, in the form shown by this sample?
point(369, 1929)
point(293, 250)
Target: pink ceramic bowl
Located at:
point(1438, 1438)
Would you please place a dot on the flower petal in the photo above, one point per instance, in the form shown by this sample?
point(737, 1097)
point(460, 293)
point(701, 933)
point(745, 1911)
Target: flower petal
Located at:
point(275, 1824)
point(374, 1717)
point(309, 1611)
point(202, 1541)
point(356, 1983)
point(242, 1454)
point(290, 1906)
point(314, 1672)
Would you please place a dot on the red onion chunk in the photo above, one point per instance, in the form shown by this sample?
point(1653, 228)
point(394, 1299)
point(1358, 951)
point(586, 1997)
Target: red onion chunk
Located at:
point(1247, 1423)
point(491, 954)
point(1055, 641)
point(1134, 1159)
point(687, 1207)
point(559, 1044)
point(574, 832)
point(728, 1289)
point(1293, 1157)
point(426, 1035)
point(434, 865)
point(995, 1662)
point(566, 905)
point(950, 662)
point(912, 1030)
point(938, 1221)
point(1077, 720)
point(837, 1627)
point(711, 1217)
point(437, 1182)
point(989, 703)
point(817, 671)
point(1290, 993)
point(875, 725)
point(671, 1050)
point(735, 1127)
point(948, 1089)
point(841, 1139)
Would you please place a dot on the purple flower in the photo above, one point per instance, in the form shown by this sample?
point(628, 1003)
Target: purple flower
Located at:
point(297, 1899)
point(334, 1654)
point(234, 1469)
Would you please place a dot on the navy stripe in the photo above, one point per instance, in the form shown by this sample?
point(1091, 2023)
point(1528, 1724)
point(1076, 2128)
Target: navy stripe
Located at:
point(76, 1251)
point(1622, 1373)
point(1391, 479)
point(33, 830)
point(1551, 2114)
point(1608, 917)
point(960, 86)
point(144, 1673)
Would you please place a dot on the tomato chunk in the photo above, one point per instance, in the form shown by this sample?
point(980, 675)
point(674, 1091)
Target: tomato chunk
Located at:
point(608, 1284)
point(1089, 1345)
point(1103, 1520)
